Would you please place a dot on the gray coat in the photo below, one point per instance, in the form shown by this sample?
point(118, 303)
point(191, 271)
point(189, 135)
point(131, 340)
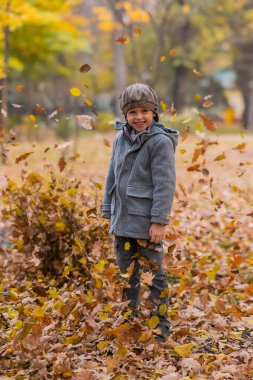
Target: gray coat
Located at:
point(140, 183)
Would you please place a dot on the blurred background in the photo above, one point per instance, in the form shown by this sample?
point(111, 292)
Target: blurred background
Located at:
point(74, 57)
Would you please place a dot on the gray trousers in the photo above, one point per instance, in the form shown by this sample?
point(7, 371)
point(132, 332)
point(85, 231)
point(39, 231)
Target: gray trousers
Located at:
point(134, 252)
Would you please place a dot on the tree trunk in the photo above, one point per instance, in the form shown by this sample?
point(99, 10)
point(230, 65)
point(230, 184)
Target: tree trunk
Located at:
point(120, 71)
point(244, 70)
point(179, 87)
point(4, 110)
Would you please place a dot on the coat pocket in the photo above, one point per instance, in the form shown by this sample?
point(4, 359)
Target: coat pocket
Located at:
point(112, 194)
point(139, 200)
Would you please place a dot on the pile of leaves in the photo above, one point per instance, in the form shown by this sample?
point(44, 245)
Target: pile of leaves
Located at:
point(61, 313)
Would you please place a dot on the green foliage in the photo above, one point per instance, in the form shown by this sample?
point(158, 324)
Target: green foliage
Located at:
point(52, 220)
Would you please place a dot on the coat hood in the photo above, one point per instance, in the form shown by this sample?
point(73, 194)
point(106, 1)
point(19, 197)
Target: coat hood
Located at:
point(154, 129)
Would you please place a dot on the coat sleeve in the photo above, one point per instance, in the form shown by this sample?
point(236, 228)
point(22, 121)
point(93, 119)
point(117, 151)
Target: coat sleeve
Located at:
point(164, 180)
point(105, 207)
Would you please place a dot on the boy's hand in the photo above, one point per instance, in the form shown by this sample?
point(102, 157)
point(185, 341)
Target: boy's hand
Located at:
point(156, 232)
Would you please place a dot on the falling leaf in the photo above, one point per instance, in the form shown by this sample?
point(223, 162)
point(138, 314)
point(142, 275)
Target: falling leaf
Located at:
point(23, 157)
point(207, 104)
point(197, 98)
point(209, 123)
point(106, 142)
point(240, 147)
point(121, 40)
point(163, 58)
point(220, 157)
point(85, 68)
point(186, 8)
point(4, 112)
point(172, 52)
point(62, 163)
point(184, 349)
point(127, 246)
point(16, 105)
point(162, 309)
point(88, 102)
point(75, 91)
point(163, 105)
point(137, 31)
point(153, 322)
point(205, 172)
point(20, 88)
point(64, 145)
point(32, 118)
point(41, 110)
point(197, 73)
point(85, 121)
point(185, 133)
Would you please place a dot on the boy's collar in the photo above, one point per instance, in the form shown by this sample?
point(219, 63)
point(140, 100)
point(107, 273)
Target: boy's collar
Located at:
point(119, 125)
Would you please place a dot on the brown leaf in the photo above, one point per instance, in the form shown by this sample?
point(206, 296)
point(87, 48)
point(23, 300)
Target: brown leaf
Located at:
point(40, 109)
point(23, 157)
point(209, 123)
point(220, 157)
point(39, 290)
point(20, 88)
point(240, 147)
point(185, 133)
point(194, 168)
point(207, 104)
point(121, 40)
point(107, 142)
point(84, 68)
point(197, 73)
point(62, 163)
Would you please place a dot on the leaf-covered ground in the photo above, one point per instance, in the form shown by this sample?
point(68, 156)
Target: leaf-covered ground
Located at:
point(56, 330)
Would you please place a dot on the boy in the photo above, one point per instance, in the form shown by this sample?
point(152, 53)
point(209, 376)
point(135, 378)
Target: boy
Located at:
point(138, 195)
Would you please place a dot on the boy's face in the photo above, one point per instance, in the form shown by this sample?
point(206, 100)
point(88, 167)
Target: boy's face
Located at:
point(139, 118)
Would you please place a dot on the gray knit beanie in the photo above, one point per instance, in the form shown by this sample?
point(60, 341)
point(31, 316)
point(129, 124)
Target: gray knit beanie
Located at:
point(139, 95)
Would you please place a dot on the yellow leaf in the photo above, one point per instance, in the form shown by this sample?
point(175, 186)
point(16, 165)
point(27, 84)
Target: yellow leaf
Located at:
point(72, 339)
point(162, 309)
point(124, 275)
point(184, 349)
point(173, 117)
point(146, 335)
point(32, 118)
point(98, 283)
point(127, 313)
point(88, 102)
point(12, 313)
point(163, 105)
point(39, 311)
point(89, 296)
point(60, 226)
point(13, 294)
point(127, 246)
point(102, 345)
point(18, 325)
point(100, 266)
point(103, 316)
point(182, 151)
point(67, 375)
point(75, 91)
point(220, 157)
point(122, 351)
point(153, 322)
point(137, 31)
point(83, 261)
point(108, 307)
point(186, 8)
point(162, 59)
point(53, 293)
